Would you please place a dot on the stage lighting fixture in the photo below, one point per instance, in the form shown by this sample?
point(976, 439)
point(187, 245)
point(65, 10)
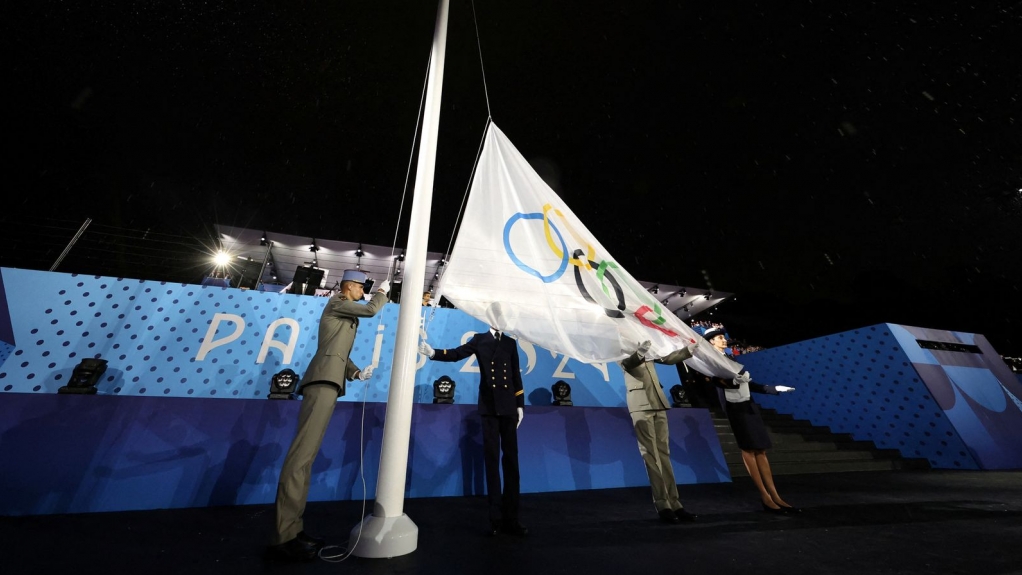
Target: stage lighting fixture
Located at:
point(679, 398)
point(262, 240)
point(359, 253)
point(401, 257)
point(443, 390)
point(562, 393)
point(283, 385)
point(313, 247)
point(306, 280)
point(85, 377)
point(655, 289)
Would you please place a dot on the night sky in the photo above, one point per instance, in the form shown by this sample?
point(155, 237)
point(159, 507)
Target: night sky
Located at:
point(834, 164)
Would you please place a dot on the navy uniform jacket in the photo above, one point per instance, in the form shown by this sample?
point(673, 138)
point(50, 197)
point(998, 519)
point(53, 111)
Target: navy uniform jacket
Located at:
point(500, 378)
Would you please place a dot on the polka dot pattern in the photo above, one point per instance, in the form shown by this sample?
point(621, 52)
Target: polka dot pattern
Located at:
point(861, 382)
point(168, 340)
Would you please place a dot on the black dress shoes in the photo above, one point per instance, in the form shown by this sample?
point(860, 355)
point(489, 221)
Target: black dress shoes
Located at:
point(777, 511)
point(685, 516)
point(668, 516)
point(317, 542)
point(791, 510)
point(516, 529)
point(294, 550)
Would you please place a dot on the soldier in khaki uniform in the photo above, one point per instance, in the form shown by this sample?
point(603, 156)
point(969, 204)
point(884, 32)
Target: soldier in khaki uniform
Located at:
point(501, 405)
point(648, 407)
point(322, 384)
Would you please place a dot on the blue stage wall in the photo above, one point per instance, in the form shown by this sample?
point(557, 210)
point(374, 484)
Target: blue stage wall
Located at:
point(75, 453)
point(161, 434)
point(184, 340)
point(957, 407)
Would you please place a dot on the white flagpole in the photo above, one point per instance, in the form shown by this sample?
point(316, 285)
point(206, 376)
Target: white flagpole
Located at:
point(388, 532)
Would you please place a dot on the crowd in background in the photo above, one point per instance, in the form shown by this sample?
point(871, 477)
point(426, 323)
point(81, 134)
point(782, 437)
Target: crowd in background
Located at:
point(735, 347)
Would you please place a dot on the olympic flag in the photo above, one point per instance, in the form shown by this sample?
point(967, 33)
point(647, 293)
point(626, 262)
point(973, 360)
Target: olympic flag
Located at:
point(523, 263)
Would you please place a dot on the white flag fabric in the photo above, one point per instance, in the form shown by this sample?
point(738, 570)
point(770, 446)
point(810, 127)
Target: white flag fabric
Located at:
point(524, 264)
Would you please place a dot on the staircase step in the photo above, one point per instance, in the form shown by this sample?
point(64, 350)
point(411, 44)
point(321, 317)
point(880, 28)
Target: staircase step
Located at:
point(811, 443)
point(779, 456)
point(797, 468)
point(801, 447)
point(789, 442)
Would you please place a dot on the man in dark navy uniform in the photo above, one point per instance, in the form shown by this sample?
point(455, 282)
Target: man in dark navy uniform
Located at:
point(501, 405)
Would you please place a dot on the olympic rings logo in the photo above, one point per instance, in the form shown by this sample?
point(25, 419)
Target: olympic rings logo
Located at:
point(583, 260)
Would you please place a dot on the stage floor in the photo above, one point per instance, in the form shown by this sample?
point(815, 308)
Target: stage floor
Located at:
point(853, 523)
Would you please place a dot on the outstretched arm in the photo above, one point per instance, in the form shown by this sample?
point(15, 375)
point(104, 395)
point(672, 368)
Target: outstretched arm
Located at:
point(769, 389)
point(637, 358)
point(457, 353)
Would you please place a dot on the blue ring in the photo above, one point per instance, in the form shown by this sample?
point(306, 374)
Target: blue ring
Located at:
point(521, 265)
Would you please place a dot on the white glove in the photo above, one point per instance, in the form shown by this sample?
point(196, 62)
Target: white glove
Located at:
point(385, 287)
point(426, 350)
point(521, 416)
point(366, 373)
point(643, 348)
point(783, 388)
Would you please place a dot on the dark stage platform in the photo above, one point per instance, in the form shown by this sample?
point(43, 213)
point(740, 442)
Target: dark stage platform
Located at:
point(853, 523)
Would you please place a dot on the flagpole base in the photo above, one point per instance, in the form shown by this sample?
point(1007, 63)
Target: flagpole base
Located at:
point(383, 537)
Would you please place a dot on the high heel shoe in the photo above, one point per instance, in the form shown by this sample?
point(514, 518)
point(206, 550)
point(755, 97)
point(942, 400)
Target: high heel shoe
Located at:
point(778, 511)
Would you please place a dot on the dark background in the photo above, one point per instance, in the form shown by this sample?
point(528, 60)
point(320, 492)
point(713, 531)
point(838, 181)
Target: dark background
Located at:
point(834, 164)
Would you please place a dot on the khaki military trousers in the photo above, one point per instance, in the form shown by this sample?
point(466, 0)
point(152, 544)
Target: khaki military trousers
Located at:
point(653, 437)
point(318, 403)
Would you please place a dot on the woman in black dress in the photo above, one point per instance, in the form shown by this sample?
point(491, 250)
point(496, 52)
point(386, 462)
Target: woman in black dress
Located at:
point(748, 427)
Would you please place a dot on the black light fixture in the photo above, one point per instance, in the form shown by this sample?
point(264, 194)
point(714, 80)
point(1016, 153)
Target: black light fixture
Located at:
point(283, 385)
point(359, 253)
point(401, 257)
point(262, 240)
point(443, 390)
point(85, 376)
point(678, 397)
point(682, 292)
point(313, 247)
point(655, 289)
point(708, 295)
point(562, 393)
